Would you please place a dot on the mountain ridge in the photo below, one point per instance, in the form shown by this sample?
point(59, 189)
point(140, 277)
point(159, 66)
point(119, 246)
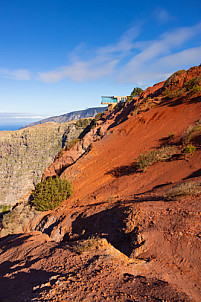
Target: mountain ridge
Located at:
point(71, 116)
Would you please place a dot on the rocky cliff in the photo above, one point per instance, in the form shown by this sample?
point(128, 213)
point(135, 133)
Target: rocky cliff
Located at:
point(26, 153)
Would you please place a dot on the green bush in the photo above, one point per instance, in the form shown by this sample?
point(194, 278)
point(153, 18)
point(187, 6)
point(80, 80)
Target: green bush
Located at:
point(154, 156)
point(50, 193)
point(194, 85)
point(5, 208)
point(188, 150)
point(84, 122)
point(196, 88)
point(136, 91)
point(191, 83)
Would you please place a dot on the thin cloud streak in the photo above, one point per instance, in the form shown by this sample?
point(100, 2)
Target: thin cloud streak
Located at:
point(102, 63)
point(17, 116)
point(19, 75)
point(131, 61)
point(161, 56)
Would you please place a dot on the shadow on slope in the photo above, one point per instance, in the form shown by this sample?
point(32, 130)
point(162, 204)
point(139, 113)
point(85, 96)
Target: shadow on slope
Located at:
point(110, 224)
point(124, 170)
point(194, 174)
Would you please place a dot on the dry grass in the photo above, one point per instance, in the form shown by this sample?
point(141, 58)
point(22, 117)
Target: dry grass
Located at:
point(154, 156)
point(87, 245)
point(192, 132)
point(184, 189)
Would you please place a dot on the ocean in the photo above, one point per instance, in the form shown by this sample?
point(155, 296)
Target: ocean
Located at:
point(11, 127)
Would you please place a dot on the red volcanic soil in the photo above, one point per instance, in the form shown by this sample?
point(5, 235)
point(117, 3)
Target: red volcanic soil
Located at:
point(145, 246)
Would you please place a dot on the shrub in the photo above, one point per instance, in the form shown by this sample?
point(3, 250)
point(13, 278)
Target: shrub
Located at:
point(87, 245)
point(193, 85)
point(72, 143)
point(50, 193)
point(171, 136)
point(84, 122)
point(154, 156)
point(188, 150)
point(183, 189)
point(5, 208)
point(146, 159)
point(192, 132)
point(136, 91)
point(174, 93)
point(99, 116)
point(196, 88)
point(110, 198)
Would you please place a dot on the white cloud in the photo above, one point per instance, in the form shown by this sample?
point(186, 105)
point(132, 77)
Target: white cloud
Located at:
point(131, 61)
point(79, 71)
point(21, 116)
point(102, 61)
point(19, 75)
point(190, 56)
point(161, 56)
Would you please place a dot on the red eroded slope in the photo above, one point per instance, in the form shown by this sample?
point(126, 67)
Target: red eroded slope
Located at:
point(107, 168)
point(157, 239)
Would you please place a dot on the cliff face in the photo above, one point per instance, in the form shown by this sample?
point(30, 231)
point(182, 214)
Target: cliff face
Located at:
point(26, 153)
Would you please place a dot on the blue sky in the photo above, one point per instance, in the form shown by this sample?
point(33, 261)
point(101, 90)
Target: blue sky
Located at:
point(58, 56)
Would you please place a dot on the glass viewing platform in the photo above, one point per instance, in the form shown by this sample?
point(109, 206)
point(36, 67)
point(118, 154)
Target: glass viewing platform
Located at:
point(113, 99)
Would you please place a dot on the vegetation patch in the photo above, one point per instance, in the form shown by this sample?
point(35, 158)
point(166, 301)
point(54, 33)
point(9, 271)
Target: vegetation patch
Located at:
point(87, 245)
point(50, 193)
point(99, 116)
point(72, 143)
point(171, 94)
point(82, 123)
point(119, 106)
point(4, 208)
point(171, 136)
point(188, 150)
point(183, 189)
point(136, 91)
point(149, 158)
point(193, 84)
point(192, 132)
